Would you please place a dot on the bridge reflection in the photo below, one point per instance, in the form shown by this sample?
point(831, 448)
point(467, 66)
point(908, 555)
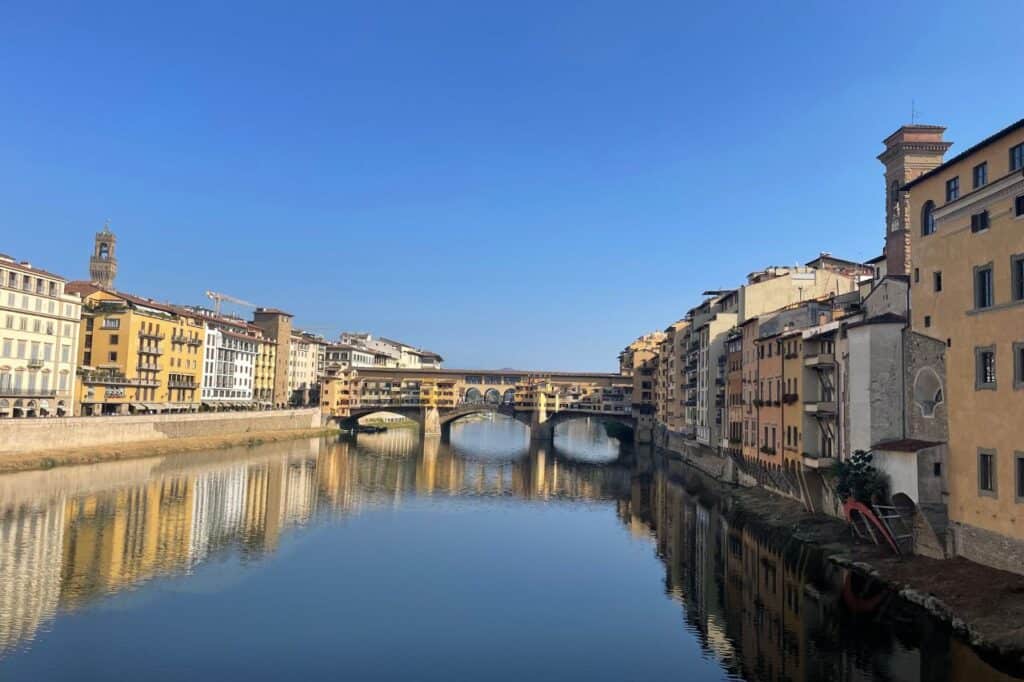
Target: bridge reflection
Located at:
point(765, 607)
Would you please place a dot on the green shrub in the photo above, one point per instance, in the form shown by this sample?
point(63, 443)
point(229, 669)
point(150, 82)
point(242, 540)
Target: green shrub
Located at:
point(859, 479)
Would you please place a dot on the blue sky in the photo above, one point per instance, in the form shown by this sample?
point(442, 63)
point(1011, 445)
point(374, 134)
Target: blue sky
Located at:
point(527, 184)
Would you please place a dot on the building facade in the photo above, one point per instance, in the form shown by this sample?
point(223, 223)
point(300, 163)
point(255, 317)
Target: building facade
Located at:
point(137, 355)
point(276, 326)
point(39, 339)
point(229, 370)
point(965, 220)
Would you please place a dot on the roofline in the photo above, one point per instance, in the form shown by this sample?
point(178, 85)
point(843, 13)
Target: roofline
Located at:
point(1013, 127)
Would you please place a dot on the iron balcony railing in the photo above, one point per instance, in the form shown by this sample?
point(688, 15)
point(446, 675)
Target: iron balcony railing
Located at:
point(27, 393)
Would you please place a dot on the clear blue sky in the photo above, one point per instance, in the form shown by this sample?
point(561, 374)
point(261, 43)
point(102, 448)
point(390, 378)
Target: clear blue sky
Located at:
point(527, 184)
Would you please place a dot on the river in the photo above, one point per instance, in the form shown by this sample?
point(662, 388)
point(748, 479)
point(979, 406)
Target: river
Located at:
point(384, 557)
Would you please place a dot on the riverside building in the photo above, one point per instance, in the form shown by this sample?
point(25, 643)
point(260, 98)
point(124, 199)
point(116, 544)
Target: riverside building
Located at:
point(962, 224)
point(137, 356)
point(39, 332)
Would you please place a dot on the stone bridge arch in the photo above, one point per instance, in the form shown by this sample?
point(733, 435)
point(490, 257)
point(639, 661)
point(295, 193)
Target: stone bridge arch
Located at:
point(546, 429)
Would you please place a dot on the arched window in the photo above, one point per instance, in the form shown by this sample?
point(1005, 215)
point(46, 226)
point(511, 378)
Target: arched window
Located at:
point(894, 193)
point(104, 250)
point(928, 218)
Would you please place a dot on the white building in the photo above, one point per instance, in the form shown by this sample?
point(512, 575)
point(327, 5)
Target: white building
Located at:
point(390, 353)
point(39, 332)
point(343, 356)
point(229, 368)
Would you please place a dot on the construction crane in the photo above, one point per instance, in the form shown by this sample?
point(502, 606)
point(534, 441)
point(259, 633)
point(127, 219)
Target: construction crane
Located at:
point(218, 298)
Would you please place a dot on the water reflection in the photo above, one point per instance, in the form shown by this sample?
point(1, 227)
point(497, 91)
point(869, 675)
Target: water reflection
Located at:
point(765, 608)
point(770, 608)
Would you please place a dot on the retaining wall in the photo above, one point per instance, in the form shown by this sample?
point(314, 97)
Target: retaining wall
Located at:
point(31, 435)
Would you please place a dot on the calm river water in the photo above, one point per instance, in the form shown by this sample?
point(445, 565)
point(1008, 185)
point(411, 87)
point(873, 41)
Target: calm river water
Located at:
point(388, 558)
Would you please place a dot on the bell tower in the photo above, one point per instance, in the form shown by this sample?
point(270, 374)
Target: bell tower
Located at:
point(909, 153)
point(103, 263)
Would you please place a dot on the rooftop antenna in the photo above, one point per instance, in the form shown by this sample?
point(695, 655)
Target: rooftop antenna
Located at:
point(913, 113)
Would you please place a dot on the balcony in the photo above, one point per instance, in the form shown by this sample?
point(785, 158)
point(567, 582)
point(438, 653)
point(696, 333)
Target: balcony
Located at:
point(790, 398)
point(820, 360)
point(820, 407)
point(151, 350)
point(179, 383)
point(35, 363)
point(27, 393)
point(147, 367)
point(143, 334)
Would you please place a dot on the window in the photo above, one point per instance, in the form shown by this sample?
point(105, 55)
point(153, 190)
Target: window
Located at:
point(917, 275)
point(1017, 157)
point(112, 356)
point(1017, 277)
point(928, 218)
point(985, 368)
point(987, 472)
point(983, 287)
point(1018, 206)
point(1018, 458)
point(937, 280)
point(980, 175)
point(927, 320)
point(937, 468)
point(114, 339)
point(979, 221)
point(953, 189)
point(1018, 365)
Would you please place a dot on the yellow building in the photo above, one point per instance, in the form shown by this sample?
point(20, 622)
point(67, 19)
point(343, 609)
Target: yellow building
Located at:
point(266, 363)
point(792, 399)
point(138, 356)
point(339, 392)
point(965, 220)
point(39, 323)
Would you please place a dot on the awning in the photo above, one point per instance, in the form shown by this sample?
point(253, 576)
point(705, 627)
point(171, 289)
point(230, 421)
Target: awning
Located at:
point(139, 407)
point(208, 404)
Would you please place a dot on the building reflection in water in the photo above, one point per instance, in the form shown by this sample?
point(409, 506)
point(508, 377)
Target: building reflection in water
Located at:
point(771, 608)
point(765, 607)
point(72, 535)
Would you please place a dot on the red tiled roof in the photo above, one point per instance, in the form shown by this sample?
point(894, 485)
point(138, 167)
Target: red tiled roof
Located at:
point(24, 267)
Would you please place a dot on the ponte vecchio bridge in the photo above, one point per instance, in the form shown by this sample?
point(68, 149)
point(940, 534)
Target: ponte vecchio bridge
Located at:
point(436, 398)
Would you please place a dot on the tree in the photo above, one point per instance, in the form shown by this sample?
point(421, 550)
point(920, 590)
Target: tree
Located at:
point(859, 479)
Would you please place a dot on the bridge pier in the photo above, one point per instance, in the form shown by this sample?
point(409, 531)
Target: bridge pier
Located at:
point(542, 430)
point(430, 422)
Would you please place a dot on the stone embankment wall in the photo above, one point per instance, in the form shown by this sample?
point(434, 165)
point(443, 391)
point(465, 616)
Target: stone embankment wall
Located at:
point(34, 435)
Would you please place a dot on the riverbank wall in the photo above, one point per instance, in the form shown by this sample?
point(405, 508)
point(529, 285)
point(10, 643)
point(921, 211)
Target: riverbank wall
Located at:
point(988, 618)
point(19, 437)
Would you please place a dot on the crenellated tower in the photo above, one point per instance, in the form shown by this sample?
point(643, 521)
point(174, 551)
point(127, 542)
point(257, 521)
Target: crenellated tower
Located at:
point(103, 263)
